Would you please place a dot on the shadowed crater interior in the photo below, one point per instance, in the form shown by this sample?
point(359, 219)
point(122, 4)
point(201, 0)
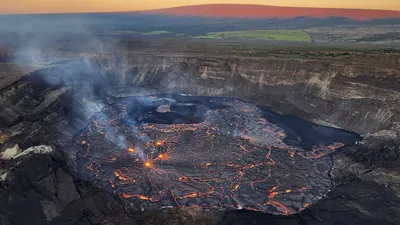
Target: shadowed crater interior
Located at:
point(169, 111)
point(208, 152)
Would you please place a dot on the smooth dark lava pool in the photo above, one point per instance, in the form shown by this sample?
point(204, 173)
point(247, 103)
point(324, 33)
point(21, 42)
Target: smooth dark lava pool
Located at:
point(208, 152)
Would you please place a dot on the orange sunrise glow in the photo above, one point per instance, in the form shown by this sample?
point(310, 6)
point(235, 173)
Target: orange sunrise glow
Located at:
point(70, 6)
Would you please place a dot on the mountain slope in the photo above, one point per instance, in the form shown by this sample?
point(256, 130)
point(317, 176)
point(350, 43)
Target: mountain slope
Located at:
point(262, 11)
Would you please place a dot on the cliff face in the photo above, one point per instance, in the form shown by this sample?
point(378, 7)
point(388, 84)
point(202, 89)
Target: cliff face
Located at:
point(354, 91)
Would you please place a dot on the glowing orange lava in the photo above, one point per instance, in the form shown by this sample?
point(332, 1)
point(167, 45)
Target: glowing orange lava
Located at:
point(159, 143)
point(231, 155)
point(191, 195)
point(163, 156)
point(243, 148)
point(272, 194)
point(143, 197)
point(148, 164)
point(183, 178)
point(126, 195)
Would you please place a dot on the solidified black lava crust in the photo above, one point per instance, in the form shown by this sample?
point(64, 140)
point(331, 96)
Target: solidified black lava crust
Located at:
point(208, 152)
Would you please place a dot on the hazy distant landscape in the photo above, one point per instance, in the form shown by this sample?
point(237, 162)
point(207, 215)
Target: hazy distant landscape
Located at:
point(296, 24)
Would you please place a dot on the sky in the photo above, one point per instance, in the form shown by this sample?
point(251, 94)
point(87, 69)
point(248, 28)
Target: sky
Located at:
point(67, 6)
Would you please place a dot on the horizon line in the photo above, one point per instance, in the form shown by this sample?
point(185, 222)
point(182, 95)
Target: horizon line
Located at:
point(182, 6)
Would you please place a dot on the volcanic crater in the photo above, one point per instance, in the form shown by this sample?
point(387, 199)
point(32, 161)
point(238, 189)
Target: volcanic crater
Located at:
point(219, 138)
point(208, 152)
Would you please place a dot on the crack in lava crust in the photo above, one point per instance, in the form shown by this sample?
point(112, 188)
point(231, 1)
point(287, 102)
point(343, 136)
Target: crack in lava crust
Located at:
point(213, 153)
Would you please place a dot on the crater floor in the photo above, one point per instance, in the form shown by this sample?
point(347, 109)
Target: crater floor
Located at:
point(208, 152)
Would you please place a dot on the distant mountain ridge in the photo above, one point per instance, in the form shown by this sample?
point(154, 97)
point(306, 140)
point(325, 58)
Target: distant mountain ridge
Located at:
point(264, 12)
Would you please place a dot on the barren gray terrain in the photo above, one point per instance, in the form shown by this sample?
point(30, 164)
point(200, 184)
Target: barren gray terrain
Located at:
point(45, 102)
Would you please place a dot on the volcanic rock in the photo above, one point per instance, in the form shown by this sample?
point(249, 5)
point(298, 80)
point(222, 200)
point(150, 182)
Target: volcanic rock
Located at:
point(52, 105)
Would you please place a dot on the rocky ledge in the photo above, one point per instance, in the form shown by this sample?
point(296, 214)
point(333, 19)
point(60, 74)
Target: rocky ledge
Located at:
point(42, 111)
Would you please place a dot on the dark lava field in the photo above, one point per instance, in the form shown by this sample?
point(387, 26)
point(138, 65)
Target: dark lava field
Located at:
point(207, 152)
point(204, 136)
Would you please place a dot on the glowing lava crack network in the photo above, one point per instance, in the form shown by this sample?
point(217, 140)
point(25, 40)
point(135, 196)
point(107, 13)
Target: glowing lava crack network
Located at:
point(213, 153)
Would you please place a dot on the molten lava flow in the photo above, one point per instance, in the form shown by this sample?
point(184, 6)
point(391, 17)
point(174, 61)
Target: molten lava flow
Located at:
point(231, 157)
point(126, 195)
point(159, 143)
point(148, 164)
point(143, 197)
point(183, 178)
point(162, 156)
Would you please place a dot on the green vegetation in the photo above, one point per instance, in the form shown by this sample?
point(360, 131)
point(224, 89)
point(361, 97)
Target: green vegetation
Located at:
point(156, 32)
point(151, 33)
point(273, 35)
point(390, 36)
